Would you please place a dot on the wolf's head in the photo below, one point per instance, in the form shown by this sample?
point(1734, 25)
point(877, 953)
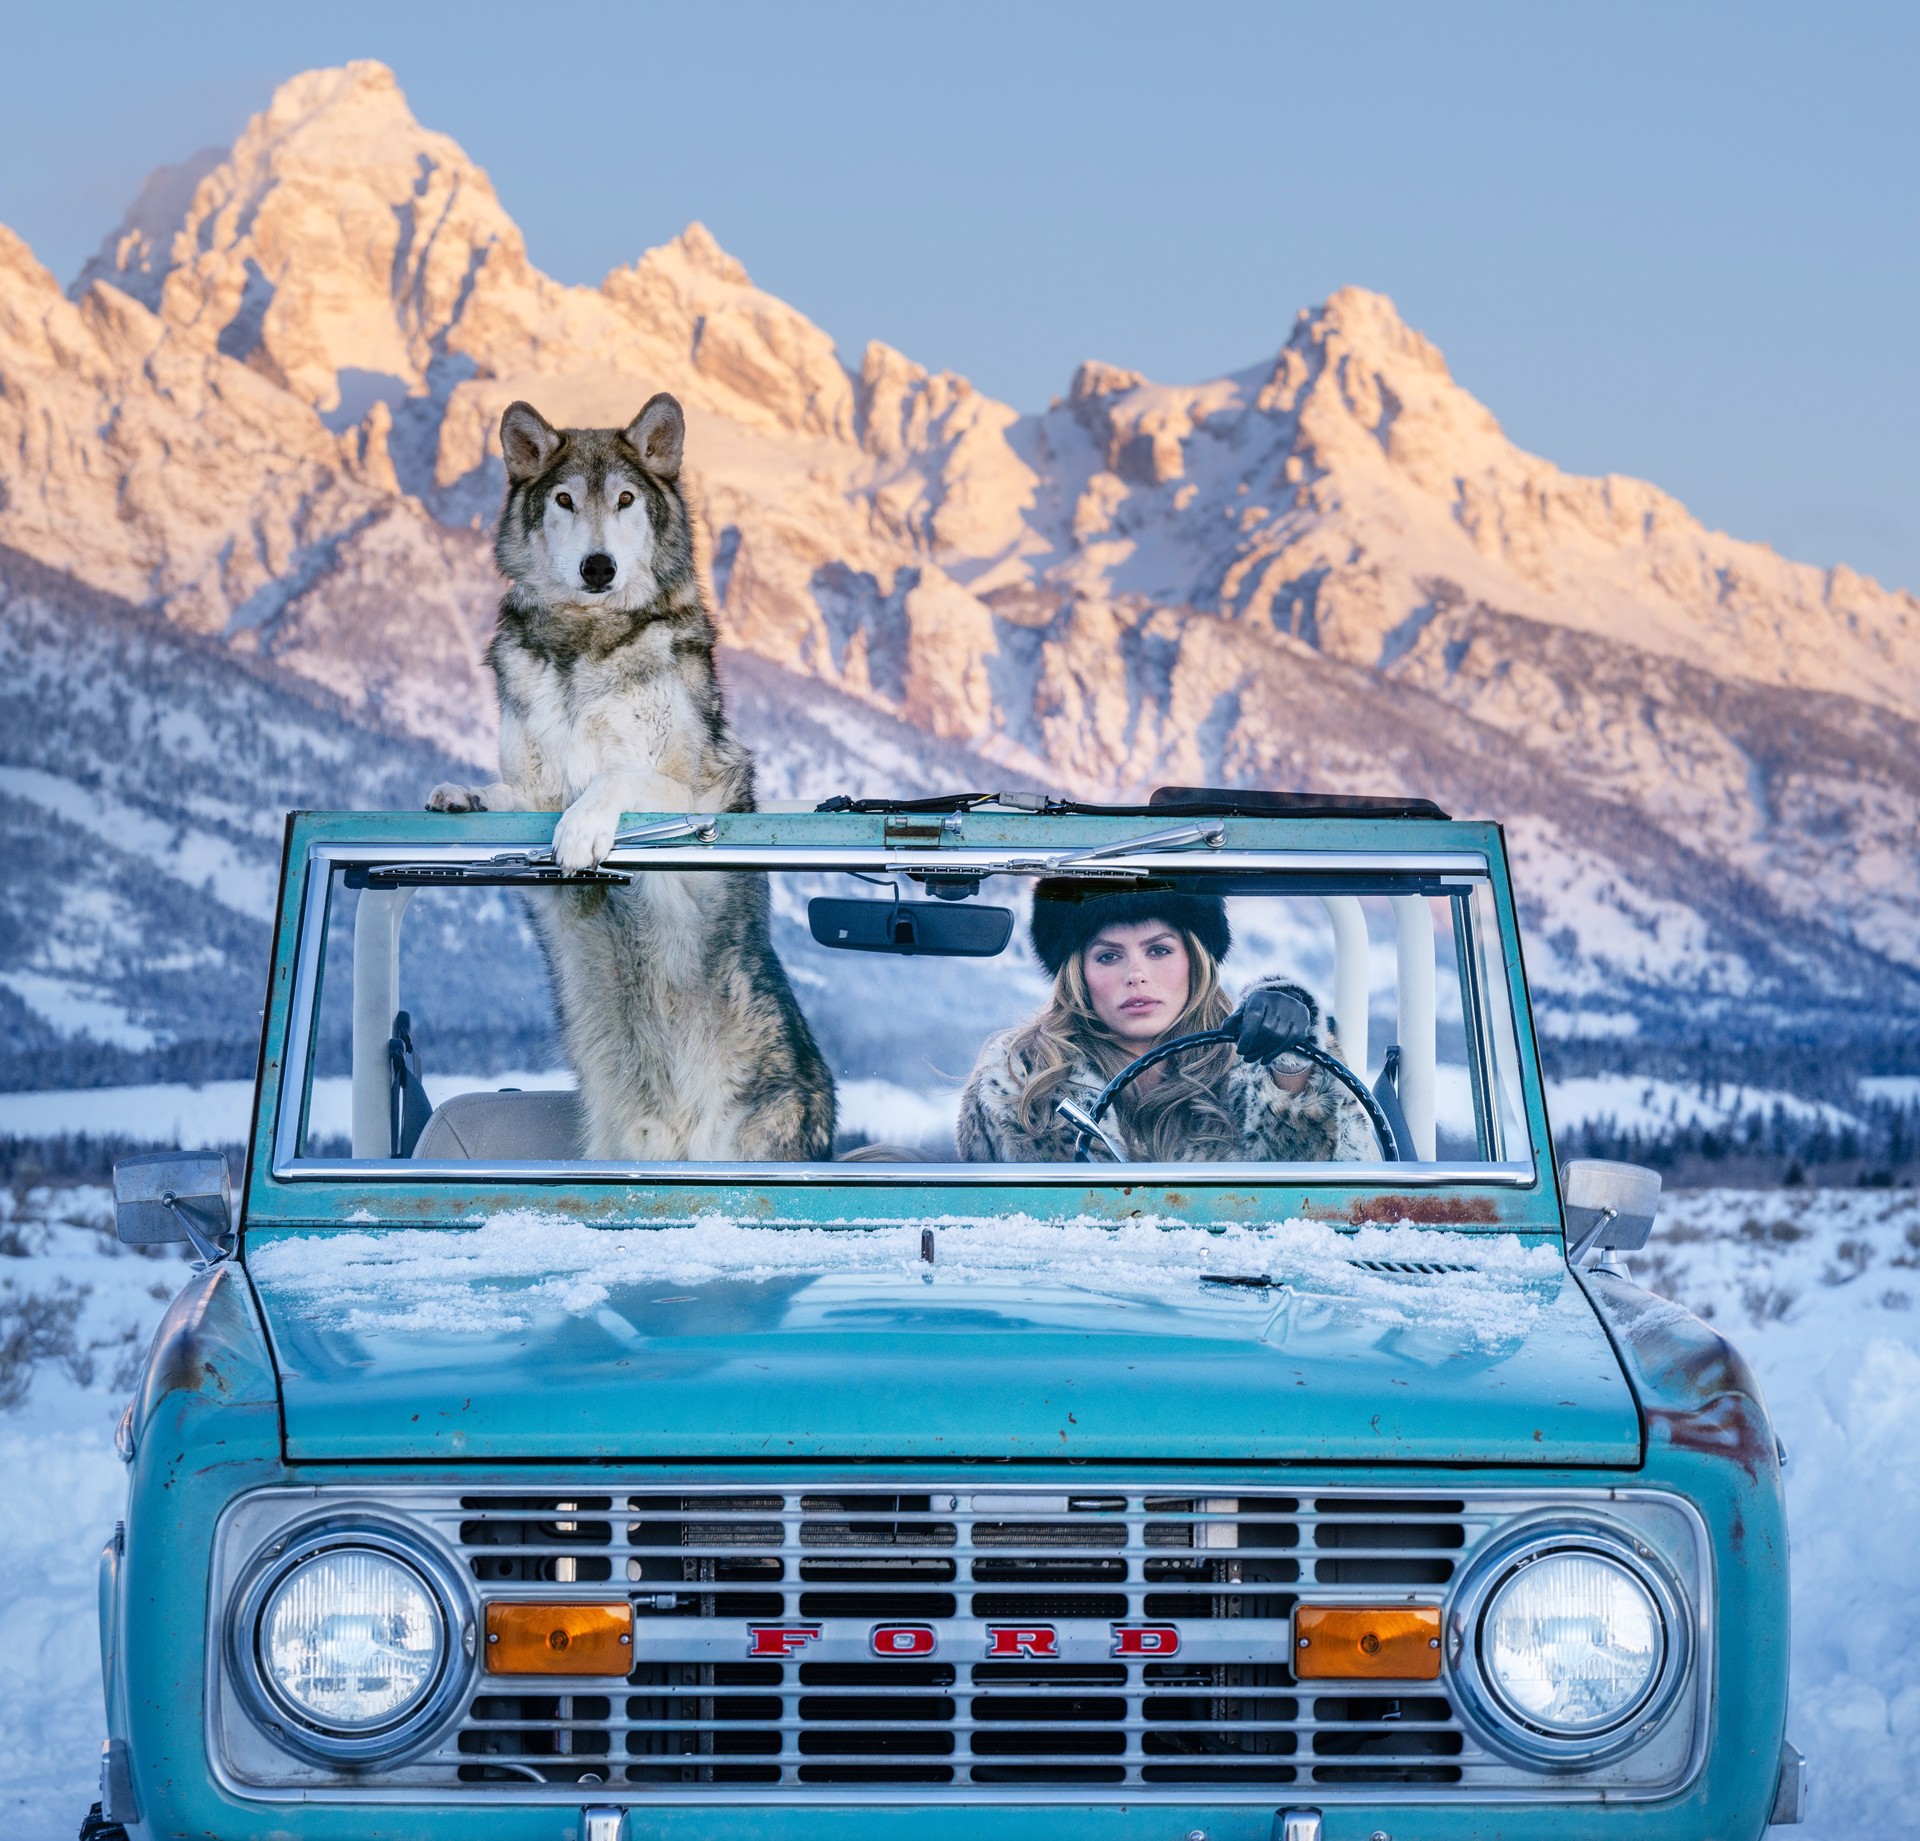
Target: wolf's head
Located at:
point(595, 518)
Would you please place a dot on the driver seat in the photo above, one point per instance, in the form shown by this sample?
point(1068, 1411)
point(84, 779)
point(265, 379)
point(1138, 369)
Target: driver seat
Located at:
point(510, 1126)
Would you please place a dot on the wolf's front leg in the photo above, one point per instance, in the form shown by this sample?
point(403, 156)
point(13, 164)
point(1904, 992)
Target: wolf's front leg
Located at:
point(587, 828)
point(499, 797)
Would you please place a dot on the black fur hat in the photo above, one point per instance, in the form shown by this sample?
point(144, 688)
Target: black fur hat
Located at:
point(1069, 911)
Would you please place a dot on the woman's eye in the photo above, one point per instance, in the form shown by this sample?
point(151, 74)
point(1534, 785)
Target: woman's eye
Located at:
point(1158, 952)
point(564, 500)
point(626, 499)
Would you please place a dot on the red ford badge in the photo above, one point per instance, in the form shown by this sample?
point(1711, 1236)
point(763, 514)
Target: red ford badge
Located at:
point(1022, 1640)
point(780, 1640)
point(902, 1640)
point(1145, 1640)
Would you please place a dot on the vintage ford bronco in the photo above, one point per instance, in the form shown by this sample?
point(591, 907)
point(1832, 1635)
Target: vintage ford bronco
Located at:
point(483, 1491)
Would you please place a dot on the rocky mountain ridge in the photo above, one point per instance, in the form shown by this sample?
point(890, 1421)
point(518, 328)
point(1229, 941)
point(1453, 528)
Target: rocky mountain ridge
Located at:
point(267, 413)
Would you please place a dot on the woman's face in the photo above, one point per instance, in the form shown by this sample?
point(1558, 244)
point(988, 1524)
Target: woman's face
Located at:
point(1137, 977)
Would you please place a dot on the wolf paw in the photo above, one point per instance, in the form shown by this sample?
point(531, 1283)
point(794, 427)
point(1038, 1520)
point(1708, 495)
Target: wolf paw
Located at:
point(446, 797)
point(584, 836)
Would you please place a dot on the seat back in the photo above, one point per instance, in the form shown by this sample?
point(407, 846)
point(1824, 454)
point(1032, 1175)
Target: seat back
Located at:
point(510, 1126)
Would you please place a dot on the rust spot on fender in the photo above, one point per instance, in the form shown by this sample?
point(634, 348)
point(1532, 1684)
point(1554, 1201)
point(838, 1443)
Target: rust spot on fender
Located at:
point(1697, 1392)
point(1422, 1210)
point(1726, 1427)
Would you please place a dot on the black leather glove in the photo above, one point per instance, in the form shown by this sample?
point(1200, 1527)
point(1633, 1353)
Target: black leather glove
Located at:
point(1270, 1023)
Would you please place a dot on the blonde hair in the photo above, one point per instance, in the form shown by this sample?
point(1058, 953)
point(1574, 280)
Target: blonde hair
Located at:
point(1182, 1119)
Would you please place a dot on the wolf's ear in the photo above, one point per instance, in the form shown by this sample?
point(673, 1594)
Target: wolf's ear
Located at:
point(528, 442)
point(658, 434)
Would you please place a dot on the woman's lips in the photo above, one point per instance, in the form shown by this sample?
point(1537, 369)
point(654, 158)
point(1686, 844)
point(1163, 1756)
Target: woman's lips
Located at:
point(1141, 1003)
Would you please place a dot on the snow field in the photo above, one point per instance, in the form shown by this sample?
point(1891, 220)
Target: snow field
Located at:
point(1821, 1289)
point(77, 1311)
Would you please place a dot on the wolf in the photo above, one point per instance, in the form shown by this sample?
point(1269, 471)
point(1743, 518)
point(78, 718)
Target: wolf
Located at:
point(675, 1012)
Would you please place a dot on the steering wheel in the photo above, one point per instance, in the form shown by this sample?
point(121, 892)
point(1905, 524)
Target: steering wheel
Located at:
point(1259, 1026)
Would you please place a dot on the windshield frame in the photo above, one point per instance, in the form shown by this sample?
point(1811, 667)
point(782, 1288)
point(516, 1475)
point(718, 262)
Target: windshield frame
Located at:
point(816, 843)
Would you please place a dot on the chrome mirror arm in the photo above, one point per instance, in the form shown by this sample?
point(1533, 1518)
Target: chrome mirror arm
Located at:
point(1089, 1129)
point(1580, 1248)
point(210, 1252)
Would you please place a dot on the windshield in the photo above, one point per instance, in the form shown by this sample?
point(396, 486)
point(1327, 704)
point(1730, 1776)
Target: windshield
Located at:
point(456, 1013)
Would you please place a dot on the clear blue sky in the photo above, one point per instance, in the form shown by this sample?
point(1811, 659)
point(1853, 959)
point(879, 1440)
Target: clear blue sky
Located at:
point(1674, 240)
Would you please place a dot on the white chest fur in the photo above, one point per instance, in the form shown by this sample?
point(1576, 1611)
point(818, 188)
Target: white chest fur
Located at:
point(562, 727)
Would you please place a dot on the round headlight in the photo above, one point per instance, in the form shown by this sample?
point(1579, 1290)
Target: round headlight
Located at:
point(1572, 1643)
point(351, 1640)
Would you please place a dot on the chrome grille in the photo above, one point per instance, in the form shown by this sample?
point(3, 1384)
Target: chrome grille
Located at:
point(702, 1569)
point(699, 1717)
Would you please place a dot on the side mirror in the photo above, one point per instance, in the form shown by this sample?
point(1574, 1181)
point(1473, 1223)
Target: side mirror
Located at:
point(171, 1196)
point(1609, 1205)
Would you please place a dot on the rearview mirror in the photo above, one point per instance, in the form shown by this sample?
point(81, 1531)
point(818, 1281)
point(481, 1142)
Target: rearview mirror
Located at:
point(945, 929)
point(170, 1196)
point(1608, 1204)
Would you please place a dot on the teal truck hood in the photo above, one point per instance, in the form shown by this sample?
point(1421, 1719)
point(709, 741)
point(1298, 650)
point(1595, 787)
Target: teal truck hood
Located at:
point(493, 1343)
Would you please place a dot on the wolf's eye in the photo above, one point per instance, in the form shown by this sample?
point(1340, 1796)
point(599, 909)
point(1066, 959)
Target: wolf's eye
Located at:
point(626, 499)
point(564, 500)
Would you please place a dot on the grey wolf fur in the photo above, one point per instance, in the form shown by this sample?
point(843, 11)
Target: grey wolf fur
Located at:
point(1322, 1123)
point(675, 1012)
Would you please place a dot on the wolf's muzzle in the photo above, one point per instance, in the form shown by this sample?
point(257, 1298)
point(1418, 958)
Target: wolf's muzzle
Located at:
point(597, 571)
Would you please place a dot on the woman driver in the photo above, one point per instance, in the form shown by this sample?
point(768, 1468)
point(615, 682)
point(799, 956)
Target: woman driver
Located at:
point(1130, 968)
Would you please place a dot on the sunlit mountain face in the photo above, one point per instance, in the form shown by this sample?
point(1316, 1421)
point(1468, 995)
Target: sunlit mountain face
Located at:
point(248, 462)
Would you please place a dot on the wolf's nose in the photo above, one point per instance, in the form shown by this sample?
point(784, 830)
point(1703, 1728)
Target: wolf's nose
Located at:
point(597, 571)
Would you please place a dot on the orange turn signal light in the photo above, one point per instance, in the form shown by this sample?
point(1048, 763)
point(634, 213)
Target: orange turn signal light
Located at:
point(1366, 1642)
point(559, 1639)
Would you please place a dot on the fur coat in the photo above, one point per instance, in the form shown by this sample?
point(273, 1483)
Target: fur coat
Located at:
point(1322, 1123)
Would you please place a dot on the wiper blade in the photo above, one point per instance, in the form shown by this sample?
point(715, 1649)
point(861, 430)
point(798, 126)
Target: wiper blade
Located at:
point(538, 865)
point(697, 825)
point(1211, 832)
point(514, 866)
point(1095, 863)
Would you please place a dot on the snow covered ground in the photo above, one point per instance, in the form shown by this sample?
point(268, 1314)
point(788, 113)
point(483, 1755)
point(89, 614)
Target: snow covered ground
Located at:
point(214, 1112)
point(76, 1313)
point(1635, 1103)
point(1821, 1288)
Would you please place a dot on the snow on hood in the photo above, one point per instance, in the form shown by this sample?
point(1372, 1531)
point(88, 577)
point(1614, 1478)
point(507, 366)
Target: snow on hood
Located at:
point(499, 1275)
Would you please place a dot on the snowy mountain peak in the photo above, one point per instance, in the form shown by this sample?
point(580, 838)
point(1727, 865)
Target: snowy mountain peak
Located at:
point(22, 274)
point(700, 249)
point(325, 250)
point(1095, 379)
point(1368, 325)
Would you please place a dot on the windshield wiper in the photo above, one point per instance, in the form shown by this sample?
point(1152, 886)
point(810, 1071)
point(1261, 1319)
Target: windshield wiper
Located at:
point(1210, 832)
point(538, 864)
point(513, 866)
point(1094, 863)
point(697, 825)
